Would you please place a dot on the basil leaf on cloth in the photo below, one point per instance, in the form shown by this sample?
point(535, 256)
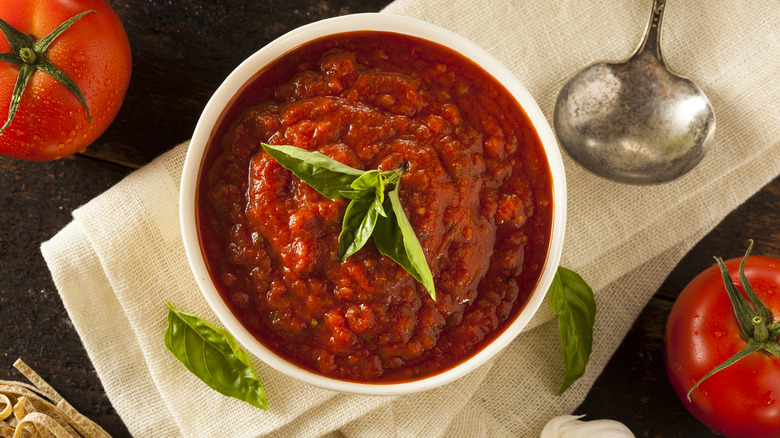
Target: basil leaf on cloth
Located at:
point(395, 238)
point(213, 355)
point(574, 306)
point(321, 172)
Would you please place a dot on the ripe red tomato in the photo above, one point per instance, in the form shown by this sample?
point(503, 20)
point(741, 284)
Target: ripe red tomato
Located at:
point(94, 52)
point(741, 400)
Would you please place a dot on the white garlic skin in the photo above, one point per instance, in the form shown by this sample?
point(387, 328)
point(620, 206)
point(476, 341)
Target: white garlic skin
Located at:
point(570, 426)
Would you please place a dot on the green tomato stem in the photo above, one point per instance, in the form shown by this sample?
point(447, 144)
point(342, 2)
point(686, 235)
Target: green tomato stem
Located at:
point(760, 330)
point(28, 55)
point(751, 347)
point(755, 322)
point(32, 57)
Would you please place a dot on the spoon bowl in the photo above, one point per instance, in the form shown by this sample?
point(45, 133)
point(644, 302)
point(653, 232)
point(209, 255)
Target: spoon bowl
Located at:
point(635, 122)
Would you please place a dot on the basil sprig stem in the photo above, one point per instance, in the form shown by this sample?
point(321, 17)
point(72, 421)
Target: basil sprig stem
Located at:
point(374, 209)
point(31, 57)
point(754, 318)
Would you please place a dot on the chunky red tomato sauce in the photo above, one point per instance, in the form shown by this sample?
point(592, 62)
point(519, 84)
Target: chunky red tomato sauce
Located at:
point(477, 191)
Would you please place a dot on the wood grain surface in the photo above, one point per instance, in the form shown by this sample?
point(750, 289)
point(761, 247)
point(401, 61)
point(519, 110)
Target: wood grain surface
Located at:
point(182, 50)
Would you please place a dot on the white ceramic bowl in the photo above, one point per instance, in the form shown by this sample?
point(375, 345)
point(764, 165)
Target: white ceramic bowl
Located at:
point(377, 22)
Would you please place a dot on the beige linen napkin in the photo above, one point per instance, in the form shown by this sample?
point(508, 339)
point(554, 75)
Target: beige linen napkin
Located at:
point(121, 259)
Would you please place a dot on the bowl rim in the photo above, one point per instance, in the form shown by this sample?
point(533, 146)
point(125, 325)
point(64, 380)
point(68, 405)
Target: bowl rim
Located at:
point(242, 74)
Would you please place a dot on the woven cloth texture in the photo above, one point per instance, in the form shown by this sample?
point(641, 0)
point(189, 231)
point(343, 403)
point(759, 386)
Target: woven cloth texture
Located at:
point(121, 258)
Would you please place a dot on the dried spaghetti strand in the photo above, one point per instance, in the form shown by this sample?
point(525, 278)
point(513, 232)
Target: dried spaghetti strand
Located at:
point(43, 387)
point(81, 423)
point(6, 430)
point(8, 410)
point(19, 388)
point(49, 407)
point(40, 420)
point(24, 407)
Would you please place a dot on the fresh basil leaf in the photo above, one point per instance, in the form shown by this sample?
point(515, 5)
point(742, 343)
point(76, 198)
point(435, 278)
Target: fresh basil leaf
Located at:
point(213, 355)
point(371, 185)
point(395, 238)
point(392, 176)
point(574, 306)
point(357, 226)
point(358, 195)
point(389, 178)
point(369, 181)
point(321, 172)
point(366, 187)
point(369, 207)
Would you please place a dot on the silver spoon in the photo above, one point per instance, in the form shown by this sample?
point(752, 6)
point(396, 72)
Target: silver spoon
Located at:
point(635, 122)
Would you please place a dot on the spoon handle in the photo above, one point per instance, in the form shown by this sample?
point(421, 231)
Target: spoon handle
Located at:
point(652, 39)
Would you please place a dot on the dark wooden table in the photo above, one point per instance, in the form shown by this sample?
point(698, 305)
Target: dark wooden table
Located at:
point(182, 50)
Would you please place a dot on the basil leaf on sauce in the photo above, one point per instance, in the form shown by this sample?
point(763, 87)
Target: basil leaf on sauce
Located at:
point(366, 187)
point(213, 355)
point(358, 225)
point(322, 173)
point(574, 306)
point(370, 213)
point(369, 181)
point(395, 238)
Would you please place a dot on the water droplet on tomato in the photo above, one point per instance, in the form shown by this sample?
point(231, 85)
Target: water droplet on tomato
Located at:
point(695, 315)
point(695, 333)
point(69, 141)
point(60, 146)
point(73, 114)
point(80, 56)
point(718, 333)
point(767, 399)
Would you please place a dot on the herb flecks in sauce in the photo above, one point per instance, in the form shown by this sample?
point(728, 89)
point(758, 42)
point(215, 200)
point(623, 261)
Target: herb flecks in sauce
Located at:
point(476, 189)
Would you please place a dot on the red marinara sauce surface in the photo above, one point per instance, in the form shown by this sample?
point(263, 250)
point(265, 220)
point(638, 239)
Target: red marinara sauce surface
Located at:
point(477, 191)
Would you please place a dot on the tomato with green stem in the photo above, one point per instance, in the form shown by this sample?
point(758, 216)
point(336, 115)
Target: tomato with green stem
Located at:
point(722, 351)
point(65, 67)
